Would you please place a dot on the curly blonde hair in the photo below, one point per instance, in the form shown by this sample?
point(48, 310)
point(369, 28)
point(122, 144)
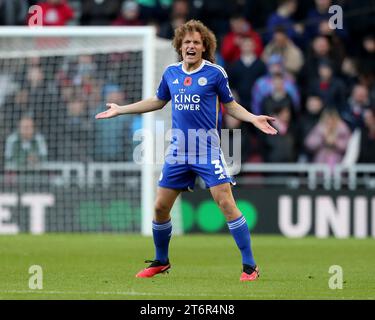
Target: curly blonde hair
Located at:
point(208, 38)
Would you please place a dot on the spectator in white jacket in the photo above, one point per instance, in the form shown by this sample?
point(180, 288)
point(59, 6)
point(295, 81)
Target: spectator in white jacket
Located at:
point(25, 147)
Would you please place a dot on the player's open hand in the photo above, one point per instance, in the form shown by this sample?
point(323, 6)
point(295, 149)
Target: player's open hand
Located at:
point(113, 111)
point(261, 122)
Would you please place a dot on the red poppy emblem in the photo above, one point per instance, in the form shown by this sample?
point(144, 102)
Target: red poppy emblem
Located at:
point(188, 81)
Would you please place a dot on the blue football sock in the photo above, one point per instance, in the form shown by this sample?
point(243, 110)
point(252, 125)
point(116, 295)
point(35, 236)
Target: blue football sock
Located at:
point(240, 232)
point(162, 233)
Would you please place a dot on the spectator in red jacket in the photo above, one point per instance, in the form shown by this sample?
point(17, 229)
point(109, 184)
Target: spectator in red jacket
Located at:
point(55, 12)
point(240, 27)
point(129, 16)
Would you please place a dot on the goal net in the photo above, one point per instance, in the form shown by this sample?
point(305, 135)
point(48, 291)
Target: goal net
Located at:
point(62, 170)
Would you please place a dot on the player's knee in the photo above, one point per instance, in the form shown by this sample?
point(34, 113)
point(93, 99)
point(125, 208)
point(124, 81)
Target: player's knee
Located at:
point(161, 210)
point(226, 205)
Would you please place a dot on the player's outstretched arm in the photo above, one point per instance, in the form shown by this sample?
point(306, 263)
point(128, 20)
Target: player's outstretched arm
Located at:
point(261, 122)
point(142, 106)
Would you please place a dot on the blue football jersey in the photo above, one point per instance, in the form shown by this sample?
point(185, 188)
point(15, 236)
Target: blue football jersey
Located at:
point(195, 98)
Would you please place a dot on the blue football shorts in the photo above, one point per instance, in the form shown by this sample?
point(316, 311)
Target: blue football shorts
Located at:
point(182, 175)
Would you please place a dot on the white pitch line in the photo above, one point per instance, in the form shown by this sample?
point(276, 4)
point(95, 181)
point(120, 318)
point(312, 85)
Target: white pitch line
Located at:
point(134, 293)
point(124, 293)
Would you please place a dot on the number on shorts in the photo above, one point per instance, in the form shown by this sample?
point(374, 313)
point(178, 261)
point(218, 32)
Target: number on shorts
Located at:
point(217, 166)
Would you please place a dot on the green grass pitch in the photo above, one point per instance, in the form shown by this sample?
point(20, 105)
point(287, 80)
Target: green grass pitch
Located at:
point(102, 266)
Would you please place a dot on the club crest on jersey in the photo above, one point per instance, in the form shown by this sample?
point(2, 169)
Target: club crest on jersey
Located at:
point(188, 81)
point(202, 81)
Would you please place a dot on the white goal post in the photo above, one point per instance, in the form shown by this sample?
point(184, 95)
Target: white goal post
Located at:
point(156, 54)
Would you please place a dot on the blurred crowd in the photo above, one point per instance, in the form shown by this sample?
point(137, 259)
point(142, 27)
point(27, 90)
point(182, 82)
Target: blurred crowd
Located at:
point(283, 59)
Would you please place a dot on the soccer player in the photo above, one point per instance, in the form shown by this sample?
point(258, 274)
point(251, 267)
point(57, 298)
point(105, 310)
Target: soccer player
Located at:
point(195, 87)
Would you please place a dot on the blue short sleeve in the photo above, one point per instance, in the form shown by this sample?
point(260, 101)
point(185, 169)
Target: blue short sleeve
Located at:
point(223, 89)
point(163, 92)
